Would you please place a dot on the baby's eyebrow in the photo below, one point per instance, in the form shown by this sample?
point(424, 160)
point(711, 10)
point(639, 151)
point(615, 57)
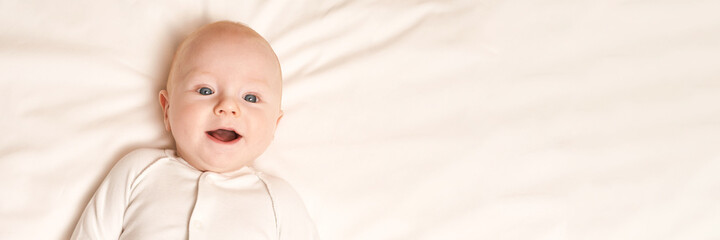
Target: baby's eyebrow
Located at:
point(260, 85)
point(199, 75)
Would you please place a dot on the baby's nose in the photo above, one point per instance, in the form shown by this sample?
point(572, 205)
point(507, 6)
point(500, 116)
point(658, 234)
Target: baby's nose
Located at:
point(227, 106)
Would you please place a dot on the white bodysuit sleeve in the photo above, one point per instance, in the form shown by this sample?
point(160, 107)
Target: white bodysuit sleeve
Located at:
point(293, 220)
point(103, 216)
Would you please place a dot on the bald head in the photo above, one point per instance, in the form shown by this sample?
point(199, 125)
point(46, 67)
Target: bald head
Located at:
point(222, 32)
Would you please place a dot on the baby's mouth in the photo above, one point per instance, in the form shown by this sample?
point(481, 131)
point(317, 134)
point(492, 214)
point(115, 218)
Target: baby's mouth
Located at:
point(224, 135)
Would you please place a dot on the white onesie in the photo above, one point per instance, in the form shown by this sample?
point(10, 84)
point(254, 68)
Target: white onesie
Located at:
point(153, 194)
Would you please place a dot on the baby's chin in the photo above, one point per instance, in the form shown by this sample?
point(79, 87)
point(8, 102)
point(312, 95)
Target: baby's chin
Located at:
point(217, 164)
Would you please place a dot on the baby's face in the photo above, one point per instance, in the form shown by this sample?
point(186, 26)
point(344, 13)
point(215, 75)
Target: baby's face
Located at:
point(223, 104)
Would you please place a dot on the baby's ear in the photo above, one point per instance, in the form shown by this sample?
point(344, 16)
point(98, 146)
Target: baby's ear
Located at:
point(279, 117)
point(163, 97)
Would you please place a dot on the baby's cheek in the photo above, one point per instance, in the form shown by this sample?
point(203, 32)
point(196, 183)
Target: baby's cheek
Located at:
point(182, 118)
point(270, 127)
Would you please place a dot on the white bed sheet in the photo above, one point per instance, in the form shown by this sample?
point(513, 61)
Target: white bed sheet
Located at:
point(403, 119)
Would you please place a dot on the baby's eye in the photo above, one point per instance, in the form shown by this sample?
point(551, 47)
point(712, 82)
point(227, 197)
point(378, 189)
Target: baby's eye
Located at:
point(205, 91)
point(250, 98)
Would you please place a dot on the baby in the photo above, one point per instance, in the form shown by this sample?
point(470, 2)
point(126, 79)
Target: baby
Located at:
point(222, 106)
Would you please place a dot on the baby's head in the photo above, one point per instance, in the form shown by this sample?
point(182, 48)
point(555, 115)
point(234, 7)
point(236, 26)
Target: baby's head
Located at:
point(222, 102)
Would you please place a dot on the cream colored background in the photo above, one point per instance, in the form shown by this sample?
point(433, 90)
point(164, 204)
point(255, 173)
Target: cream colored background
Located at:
point(404, 119)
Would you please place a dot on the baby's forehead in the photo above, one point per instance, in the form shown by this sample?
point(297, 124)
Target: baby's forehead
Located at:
point(220, 36)
point(235, 32)
point(217, 44)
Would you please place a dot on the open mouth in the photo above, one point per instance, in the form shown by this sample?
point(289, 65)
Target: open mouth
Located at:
point(223, 135)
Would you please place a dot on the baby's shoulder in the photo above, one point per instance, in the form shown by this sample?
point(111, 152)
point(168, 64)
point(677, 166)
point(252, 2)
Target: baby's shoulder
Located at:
point(273, 181)
point(279, 189)
point(139, 159)
point(292, 217)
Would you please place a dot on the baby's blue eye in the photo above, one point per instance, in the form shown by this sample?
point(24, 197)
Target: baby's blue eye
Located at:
point(205, 91)
point(250, 98)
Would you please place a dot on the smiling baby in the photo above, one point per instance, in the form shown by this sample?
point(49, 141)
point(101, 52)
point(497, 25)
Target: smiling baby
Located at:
point(222, 106)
